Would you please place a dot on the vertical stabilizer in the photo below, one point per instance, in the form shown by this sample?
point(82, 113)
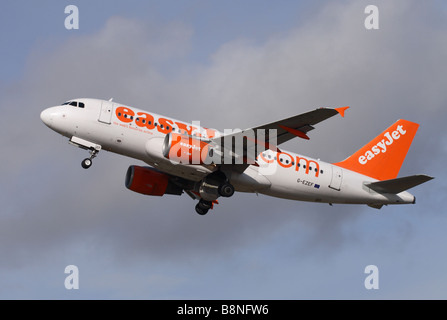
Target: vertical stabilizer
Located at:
point(382, 158)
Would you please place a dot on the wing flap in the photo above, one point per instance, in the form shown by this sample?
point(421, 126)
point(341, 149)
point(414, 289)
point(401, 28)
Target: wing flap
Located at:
point(398, 185)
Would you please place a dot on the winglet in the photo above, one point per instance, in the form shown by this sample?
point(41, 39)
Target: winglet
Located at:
point(296, 132)
point(342, 110)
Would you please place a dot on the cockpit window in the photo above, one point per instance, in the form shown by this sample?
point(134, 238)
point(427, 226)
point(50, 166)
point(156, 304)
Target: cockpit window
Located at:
point(74, 104)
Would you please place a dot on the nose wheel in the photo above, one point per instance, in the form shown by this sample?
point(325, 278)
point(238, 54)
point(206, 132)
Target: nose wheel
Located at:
point(92, 147)
point(87, 163)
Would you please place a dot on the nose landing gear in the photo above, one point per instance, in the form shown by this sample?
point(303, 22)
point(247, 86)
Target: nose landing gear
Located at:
point(86, 145)
point(87, 162)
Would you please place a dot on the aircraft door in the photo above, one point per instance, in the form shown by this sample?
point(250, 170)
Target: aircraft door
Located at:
point(337, 177)
point(105, 116)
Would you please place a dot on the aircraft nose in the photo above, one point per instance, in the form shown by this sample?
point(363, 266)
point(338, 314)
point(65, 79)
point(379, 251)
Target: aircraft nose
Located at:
point(45, 116)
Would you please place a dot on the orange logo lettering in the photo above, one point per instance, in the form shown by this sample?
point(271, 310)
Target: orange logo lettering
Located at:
point(124, 114)
point(145, 120)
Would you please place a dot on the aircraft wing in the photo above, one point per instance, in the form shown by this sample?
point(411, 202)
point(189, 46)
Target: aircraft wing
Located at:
point(262, 136)
point(287, 129)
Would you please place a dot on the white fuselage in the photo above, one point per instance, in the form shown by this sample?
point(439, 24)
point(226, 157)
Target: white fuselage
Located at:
point(285, 175)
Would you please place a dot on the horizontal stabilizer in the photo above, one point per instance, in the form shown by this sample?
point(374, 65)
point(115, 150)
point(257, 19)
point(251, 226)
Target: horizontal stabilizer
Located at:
point(398, 185)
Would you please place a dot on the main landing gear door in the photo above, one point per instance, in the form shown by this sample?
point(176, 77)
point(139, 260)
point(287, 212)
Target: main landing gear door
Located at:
point(337, 177)
point(105, 116)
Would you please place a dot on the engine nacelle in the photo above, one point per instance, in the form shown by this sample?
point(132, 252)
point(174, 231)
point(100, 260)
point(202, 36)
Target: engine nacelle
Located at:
point(187, 149)
point(149, 181)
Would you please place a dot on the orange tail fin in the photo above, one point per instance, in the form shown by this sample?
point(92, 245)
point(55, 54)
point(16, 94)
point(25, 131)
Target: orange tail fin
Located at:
point(382, 158)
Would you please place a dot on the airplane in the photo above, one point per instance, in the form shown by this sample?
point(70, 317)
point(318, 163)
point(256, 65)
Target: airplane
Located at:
point(207, 164)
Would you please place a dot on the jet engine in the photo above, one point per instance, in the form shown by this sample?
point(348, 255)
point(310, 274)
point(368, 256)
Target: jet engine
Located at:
point(187, 149)
point(149, 181)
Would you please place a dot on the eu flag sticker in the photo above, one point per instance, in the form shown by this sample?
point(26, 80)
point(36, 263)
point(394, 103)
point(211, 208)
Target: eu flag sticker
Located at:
point(317, 186)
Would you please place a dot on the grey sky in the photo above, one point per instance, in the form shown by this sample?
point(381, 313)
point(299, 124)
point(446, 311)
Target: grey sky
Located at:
point(181, 61)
